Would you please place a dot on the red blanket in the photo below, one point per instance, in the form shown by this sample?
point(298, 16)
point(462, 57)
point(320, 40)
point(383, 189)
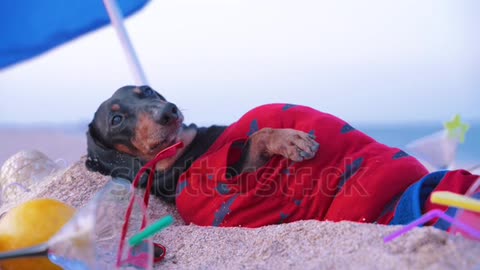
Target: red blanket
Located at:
point(352, 177)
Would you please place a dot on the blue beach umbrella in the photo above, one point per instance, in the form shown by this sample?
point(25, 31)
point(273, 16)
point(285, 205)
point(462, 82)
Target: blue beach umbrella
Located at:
point(29, 28)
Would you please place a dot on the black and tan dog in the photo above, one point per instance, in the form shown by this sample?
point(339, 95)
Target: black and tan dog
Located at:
point(136, 123)
point(243, 174)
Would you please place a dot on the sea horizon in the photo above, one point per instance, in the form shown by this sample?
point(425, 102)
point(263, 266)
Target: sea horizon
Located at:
point(67, 141)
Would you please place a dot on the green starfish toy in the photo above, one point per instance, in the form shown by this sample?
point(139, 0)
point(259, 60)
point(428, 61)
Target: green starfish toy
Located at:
point(457, 129)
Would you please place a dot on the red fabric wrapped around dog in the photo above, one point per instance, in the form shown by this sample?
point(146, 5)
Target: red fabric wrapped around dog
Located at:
point(352, 177)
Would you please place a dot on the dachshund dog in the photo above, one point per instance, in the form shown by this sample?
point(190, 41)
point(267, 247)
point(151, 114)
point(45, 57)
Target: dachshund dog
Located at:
point(136, 123)
point(266, 168)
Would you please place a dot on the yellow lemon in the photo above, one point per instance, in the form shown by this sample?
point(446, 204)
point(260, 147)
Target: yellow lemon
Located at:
point(30, 224)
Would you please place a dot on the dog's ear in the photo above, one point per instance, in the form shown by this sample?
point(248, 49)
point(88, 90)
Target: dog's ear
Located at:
point(107, 161)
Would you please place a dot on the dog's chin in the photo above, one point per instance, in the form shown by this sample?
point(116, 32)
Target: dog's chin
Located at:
point(167, 141)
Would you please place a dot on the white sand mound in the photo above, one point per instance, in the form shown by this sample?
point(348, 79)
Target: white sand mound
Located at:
point(298, 245)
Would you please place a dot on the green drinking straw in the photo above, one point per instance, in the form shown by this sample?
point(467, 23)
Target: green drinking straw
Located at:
point(151, 230)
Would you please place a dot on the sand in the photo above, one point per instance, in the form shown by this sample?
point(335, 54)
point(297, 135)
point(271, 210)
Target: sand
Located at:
point(298, 245)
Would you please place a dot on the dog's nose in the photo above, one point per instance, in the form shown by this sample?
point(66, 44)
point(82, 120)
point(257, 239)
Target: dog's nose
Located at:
point(169, 114)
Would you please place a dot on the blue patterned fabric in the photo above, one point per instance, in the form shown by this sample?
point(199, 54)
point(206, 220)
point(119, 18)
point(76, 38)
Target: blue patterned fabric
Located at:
point(409, 207)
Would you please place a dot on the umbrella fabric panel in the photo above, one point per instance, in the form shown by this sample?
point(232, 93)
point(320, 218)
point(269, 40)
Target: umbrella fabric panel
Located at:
point(31, 27)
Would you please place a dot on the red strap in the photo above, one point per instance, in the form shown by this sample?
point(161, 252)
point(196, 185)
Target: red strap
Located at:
point(150, 166)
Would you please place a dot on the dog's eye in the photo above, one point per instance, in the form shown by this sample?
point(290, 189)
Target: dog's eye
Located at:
point(148, 92)
point(116, 120)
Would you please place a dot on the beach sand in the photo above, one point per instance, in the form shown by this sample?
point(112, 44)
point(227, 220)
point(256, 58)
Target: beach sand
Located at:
point(298, 245)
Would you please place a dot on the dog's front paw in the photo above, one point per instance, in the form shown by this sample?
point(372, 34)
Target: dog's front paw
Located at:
point(295, 145)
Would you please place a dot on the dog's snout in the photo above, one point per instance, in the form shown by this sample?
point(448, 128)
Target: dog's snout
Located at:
point(169, 114)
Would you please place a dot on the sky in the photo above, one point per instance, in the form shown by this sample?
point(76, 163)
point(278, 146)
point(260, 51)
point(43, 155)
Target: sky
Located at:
point(370, 61)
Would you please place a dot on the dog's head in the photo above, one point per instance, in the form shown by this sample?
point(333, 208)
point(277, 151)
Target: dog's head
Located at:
point(129, 129)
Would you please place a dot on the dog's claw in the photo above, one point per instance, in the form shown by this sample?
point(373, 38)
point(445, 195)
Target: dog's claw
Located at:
point(299, 159)
point(315, 147)
point(306, 155)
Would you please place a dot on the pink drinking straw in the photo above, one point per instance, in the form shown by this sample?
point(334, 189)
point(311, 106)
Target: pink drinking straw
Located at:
point(436, 213)
point(464, 215)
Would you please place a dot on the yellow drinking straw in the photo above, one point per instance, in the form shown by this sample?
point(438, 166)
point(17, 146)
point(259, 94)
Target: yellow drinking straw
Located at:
point(455, 200)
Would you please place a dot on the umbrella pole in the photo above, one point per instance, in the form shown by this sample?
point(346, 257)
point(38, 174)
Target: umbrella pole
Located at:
point(117, 20)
